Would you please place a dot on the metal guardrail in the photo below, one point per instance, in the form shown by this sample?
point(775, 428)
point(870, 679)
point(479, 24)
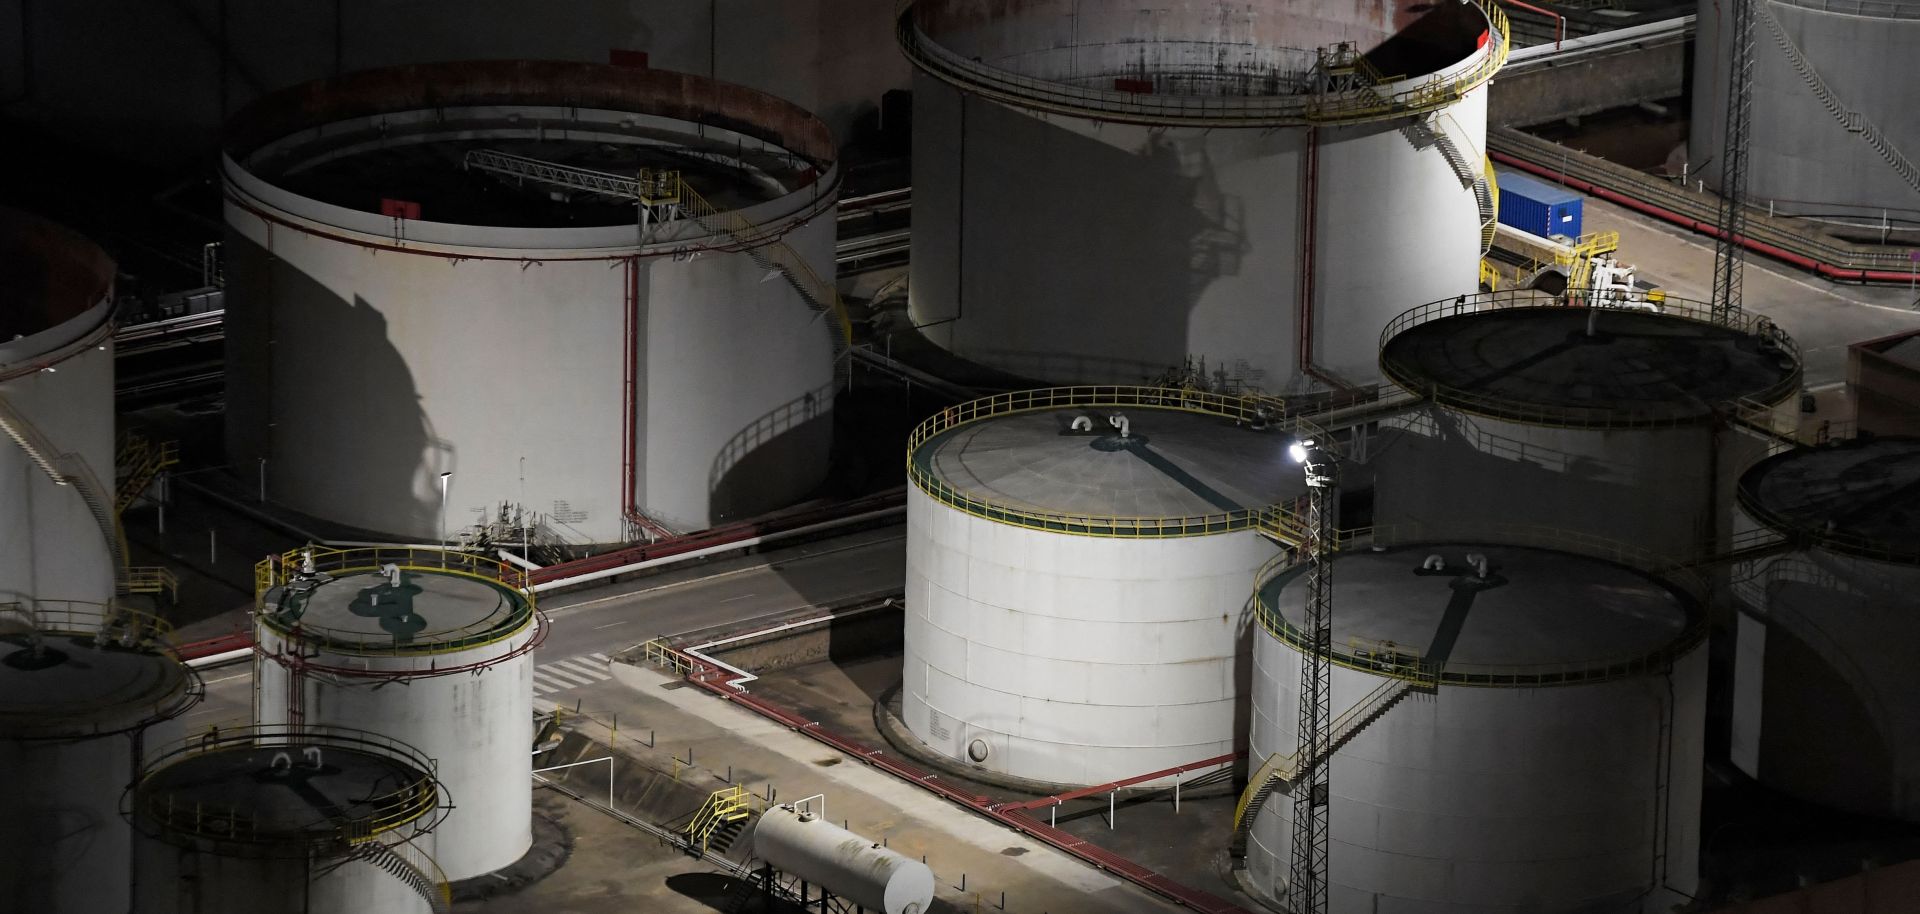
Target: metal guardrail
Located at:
point(1875, 9)
point(127, 628)
point(1748, 407)
point(281, 571)
point(153, 579)
point(325, 832)
point(1408, 665)
point(1812, 532)
point(1353, 106)
point(1281, 519)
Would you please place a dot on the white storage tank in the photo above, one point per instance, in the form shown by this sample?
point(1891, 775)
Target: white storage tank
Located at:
point(852, 867)
point(1529, 740)
point(1075, 594)
point(1263, 184)
point(442, 269)
point(434, 649)
point(312, 820)
point(1608, 421)
point(1824, 706)
point(82, 685)
point(57, 538)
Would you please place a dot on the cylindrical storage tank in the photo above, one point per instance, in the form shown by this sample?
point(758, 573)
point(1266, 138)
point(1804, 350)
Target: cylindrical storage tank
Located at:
point(433, 649)
point(841, 862)
point(56, 414)
point(442, 269)
point(310, 820)
point(1528, 741)
point(1601, 420)
point(1075, 598)
point(1247, 175)
point(1830, 134)
point(82, 685)
point(1824, 706)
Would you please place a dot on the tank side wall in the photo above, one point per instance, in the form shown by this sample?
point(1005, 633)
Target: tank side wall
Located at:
point(50, 545)
point(1076, 660)
point(68, 848)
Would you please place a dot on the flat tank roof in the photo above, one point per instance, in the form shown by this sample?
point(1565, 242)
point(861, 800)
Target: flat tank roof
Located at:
point(283, 790)
point(49, 275)
point(1172, 463)
point(71, 684)
point(427, 611)
point(1860, 496)
point(1536, 609)
point(1539, 364)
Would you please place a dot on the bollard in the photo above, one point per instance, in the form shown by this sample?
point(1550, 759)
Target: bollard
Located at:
point(729, 774)
point(212, 539)
point(1110, 794)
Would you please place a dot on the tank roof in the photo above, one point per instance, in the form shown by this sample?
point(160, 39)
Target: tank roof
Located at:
point(277, 789)
point(1538, 364)
point(1172, 464)
point(1860, 496)
point(428, 611)
point(49, 276)
point(68, 684)
point(1537, 609)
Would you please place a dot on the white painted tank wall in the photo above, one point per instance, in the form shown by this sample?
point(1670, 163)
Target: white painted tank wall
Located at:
point(176, 880)
point(155, 68)
point(1491, 800)
point(477, 726)
point(1069, 250)
point(508, 374)
point(1800, 156)
point(1079, 660)
point(1821, 664)
point(1651, 488)
point(50, 545)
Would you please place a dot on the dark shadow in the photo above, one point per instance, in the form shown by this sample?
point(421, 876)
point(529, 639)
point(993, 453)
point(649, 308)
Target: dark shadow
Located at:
point(317, 389)
point(867, 648)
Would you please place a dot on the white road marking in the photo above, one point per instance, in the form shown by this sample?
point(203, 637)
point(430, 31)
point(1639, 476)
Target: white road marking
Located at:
point(581, 666)
point(738, 598)
point(611, 624)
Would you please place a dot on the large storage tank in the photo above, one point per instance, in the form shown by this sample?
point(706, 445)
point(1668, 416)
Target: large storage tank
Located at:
point(81, 687)
point(57, 538)
point(1530, 740)
point(433, 649)
point(442, 269)
point(1601, 420)
point(1075, 593)
point(1824, 705)
point(1831, 136)
point(308, 820)
point(1103, 189)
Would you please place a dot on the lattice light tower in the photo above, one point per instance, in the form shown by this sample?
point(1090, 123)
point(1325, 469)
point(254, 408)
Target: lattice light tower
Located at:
point(1732, 218)
point(1307, 889)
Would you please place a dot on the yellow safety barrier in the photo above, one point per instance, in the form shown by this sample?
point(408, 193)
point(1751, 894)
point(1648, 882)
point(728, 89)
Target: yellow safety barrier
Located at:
point(153, 579)
point(1282, 520)
point(732, 804)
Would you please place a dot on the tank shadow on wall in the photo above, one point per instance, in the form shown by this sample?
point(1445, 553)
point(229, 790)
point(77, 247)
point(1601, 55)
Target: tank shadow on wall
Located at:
point(753, 472)
point(389, 485)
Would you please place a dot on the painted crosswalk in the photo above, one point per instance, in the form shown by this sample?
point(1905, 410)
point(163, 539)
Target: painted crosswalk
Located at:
point(570, 673)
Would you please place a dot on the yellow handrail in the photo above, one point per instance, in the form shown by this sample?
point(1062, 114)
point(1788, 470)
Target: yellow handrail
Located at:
point(280, 570)
point(784, 258)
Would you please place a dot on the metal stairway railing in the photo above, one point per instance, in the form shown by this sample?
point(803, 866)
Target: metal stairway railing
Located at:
point(1854, 121)
point(1579, 259)
point(1279, 771)
point(722, 808)
point(71, 471)
point(421, 874)
point(1486, 194)
point(140, 461)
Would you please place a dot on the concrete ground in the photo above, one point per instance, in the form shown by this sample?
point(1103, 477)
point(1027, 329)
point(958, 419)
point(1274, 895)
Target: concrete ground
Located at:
point(974, 859)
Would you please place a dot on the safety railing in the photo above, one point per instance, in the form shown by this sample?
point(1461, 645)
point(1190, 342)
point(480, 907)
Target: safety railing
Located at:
point(1411, 377)
point(732, 804)
point(1814, 531)
point(139, 461)
point(293, 570)
point(105, 621)
point(1282, 768)
point(1409, 665)
point(153, 580)
point(823, 295)
point(1354, 105)
point(1873, 9)
point(407, 862)
point(660, 653)
point(1269, 412)
point(328, 830)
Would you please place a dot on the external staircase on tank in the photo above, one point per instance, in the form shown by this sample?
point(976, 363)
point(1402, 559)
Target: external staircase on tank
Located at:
point(139, 462)
point(1279, 772)
point(415, 869)
point(1855, 122)
point(70, 470)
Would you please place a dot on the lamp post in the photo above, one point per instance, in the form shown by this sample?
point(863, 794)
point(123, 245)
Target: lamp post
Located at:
point(1307, 890)
point(445, 478)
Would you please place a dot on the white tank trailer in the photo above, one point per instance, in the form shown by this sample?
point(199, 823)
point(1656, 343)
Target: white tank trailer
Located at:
point(57, 535)
point(434, 649)
point(82, 686)
point(315, 821)
point(1831, 136)
point(1823, 702)
point(1519, 728)
point(1077, 566)
point(444, 269)
point(1607, 421)
point(1106, 189)
point(852, 867)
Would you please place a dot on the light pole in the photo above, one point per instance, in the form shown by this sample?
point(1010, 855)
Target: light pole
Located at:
point(1308, 889)
point(445, 478)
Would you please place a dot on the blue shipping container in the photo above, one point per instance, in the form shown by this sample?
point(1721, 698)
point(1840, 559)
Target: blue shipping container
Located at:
point(1532, 205)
